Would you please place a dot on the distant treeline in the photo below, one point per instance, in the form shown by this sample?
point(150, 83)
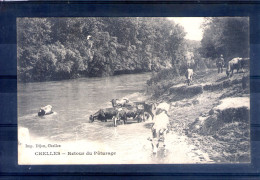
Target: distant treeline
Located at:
point(64, 48)
point(225, 35)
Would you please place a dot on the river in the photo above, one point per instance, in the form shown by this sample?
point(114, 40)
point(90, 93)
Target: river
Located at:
point(73, 102)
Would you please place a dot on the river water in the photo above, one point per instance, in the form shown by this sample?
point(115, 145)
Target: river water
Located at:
point(73, 101)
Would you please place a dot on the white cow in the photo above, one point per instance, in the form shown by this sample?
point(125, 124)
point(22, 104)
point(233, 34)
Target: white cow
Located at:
point(45, 110)
point(165, 106)
point(160, 128)
point(119, 103)
point(236, 63)
point(189, 75)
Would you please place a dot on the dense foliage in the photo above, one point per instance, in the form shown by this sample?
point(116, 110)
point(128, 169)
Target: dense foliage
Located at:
point(64, 48)
point(225, 35)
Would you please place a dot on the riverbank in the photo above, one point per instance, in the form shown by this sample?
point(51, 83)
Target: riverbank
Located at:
point(229, 143)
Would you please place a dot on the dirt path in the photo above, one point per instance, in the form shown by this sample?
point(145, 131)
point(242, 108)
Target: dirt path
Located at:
point(180, 150)
point(194, 148)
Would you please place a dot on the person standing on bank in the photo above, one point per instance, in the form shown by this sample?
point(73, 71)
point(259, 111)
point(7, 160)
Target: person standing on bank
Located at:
point(220, 63)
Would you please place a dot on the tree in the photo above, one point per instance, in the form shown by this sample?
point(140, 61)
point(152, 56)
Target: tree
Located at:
point(63, 48)
point(227, 36)
point(33, 33)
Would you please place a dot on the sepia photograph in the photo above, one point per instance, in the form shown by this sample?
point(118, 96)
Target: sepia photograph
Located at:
point(133, 90)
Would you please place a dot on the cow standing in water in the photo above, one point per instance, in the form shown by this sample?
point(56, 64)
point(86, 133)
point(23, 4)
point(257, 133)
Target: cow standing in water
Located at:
point(119, 103)
point(103, 114)
point(45, 110)
point(220, 64)
point(189, 75)
point(160, 128)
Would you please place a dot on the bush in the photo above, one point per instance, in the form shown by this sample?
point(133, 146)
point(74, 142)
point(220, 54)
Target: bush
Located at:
point(165, 74)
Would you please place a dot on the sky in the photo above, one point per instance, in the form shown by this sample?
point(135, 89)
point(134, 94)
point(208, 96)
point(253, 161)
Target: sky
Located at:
point(191, 26)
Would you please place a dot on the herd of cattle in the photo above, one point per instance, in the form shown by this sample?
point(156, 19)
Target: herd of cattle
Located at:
point(123, 109)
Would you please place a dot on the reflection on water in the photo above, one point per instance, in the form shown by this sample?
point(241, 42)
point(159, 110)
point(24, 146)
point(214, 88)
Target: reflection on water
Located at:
point(73, 101)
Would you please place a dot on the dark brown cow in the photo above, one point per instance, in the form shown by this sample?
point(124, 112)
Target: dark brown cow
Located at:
point(135, 110)
point(103, 114)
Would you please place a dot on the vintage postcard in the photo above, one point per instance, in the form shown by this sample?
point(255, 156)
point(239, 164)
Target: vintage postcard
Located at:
point(133, 90)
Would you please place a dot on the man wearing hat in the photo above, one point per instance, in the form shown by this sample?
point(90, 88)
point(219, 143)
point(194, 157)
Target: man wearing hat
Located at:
point(220, 63)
